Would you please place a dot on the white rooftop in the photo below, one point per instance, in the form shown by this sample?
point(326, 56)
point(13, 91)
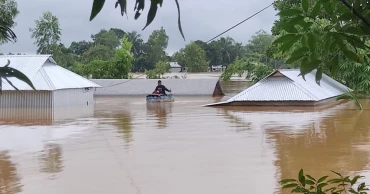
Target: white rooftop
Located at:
point(44, 74)
point(174, 65)
point(287, 85)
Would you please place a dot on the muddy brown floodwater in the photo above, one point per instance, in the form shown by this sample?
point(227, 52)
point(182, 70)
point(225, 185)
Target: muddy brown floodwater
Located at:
point(130, 147)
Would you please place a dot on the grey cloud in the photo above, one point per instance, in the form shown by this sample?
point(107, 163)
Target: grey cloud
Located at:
point(201, 20)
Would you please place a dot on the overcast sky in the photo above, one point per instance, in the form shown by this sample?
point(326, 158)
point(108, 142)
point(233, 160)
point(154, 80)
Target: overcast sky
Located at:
point(201, 20)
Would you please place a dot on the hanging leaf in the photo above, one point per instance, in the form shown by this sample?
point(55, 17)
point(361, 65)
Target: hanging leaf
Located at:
point(123, 5)
point(96, 8)
point(350, 55)
point(353, 30)
point(6, 72)
point(296, 20)
point(293, 59)
point(288, 28)
point(309, 65)
point(316, 9)
point(285, 38)
point(311, 42)
point(318, 75)
point(287, 45)
point(139, 5)
point(305, 5)
point(151, 14)
point(300, 52)
point(290, 12)
point(179, 20)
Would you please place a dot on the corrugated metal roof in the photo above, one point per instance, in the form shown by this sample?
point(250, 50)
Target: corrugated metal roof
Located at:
point(291, 87)
point(174, 64)
point(43, 72)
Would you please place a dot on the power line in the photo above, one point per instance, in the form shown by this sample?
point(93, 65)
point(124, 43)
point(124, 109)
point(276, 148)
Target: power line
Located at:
point(240, 22)
point(122, 82)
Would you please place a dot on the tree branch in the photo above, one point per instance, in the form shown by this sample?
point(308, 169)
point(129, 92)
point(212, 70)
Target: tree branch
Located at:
point(363, 19)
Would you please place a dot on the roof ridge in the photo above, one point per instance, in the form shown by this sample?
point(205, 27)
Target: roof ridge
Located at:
point(310, 94)
point(47, 77)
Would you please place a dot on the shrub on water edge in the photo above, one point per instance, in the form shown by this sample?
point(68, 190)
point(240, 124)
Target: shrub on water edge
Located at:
point(309, 185)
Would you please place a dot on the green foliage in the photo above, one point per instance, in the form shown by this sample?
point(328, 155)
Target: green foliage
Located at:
point(239, 67)
point(254, 71)
point(8, 13)
point(193, 57)
point(139, 6)
point(309, 185)
point(98, 52)
point(161, 67)
point(47, 33)
point(106, 38)
point(156, 46)
point(123, 59)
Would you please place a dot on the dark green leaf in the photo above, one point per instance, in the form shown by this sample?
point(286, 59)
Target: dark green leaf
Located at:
point(302, 178)
point(288, 27)
point(305, 5)
point(352, 191)
point(331, 189)
point(6, 72)
point(293, 59)
point(123, 5)
point(179, 19)
point(301, 51)
point(343, 97)
point(350, 55)
point(354, 180)
point(152, 13)
point(361, 186)
point(322, 185)
point(318, 75)
point(354, 30)
point(296, 20)
point(309, 182)
point(10, 83)
point(316, 9)
point(290, 185)
point(311, 42)
point(346, 16)
point(96, 8)
point(322, 179)
point(300, 174)
point(284, 181)
point(309, 66)
point(290, 12)
point(286, 46)
point(335, 181)
point(310, 177)
point(285, 38)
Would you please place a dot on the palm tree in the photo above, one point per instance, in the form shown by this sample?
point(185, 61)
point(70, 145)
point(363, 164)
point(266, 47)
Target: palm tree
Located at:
point(7, 33)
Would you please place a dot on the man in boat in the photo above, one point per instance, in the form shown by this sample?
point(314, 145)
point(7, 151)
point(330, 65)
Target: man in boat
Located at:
point(161, 89)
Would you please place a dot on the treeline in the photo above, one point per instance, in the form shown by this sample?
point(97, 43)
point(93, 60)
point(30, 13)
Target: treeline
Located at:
point(102, 55)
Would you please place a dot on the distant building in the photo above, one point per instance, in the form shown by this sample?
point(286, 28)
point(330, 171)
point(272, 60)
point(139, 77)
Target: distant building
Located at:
point(175, 67)
point(284, 87)
point(56, 87)
point(218, 68)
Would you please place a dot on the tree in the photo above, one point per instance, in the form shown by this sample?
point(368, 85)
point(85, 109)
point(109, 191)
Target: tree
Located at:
point(98, 52)
point(123, 59)
point(106, 38)
point(258, 46)
point(193, 57)
point(8, 13)
point(156, 45)
point(47, 33)
point(80, 47)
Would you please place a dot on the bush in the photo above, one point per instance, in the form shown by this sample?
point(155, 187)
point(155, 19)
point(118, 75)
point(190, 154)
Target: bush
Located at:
point(309, 185)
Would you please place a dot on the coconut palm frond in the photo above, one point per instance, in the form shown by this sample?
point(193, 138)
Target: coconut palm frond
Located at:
point(7, 33)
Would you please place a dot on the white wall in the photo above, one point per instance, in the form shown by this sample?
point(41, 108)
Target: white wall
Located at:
point(175, 69)
point(73, 97)
point(187, 87)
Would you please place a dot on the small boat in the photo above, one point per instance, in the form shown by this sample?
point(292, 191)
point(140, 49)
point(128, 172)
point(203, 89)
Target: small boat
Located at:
point(160, 98)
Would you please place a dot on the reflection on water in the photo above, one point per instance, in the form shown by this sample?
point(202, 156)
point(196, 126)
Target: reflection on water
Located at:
point(197, 149)
point(161, 111)
point(9, 179)
point(51, 159)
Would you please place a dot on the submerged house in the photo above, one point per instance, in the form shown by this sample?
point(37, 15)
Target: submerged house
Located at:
point(56, 87)
point(284, 87)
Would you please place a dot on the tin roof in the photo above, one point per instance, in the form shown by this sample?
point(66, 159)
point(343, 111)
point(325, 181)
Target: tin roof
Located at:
point(174, 65)
point(287, 85)
point(43, 72)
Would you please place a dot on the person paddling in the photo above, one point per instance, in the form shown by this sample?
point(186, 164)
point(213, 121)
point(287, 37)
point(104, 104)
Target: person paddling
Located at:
point(161, 89)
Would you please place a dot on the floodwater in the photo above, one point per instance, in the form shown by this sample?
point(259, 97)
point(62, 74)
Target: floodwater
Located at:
point(128, 146)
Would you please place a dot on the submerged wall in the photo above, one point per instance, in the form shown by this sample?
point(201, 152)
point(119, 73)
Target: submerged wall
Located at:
point(204, 87)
